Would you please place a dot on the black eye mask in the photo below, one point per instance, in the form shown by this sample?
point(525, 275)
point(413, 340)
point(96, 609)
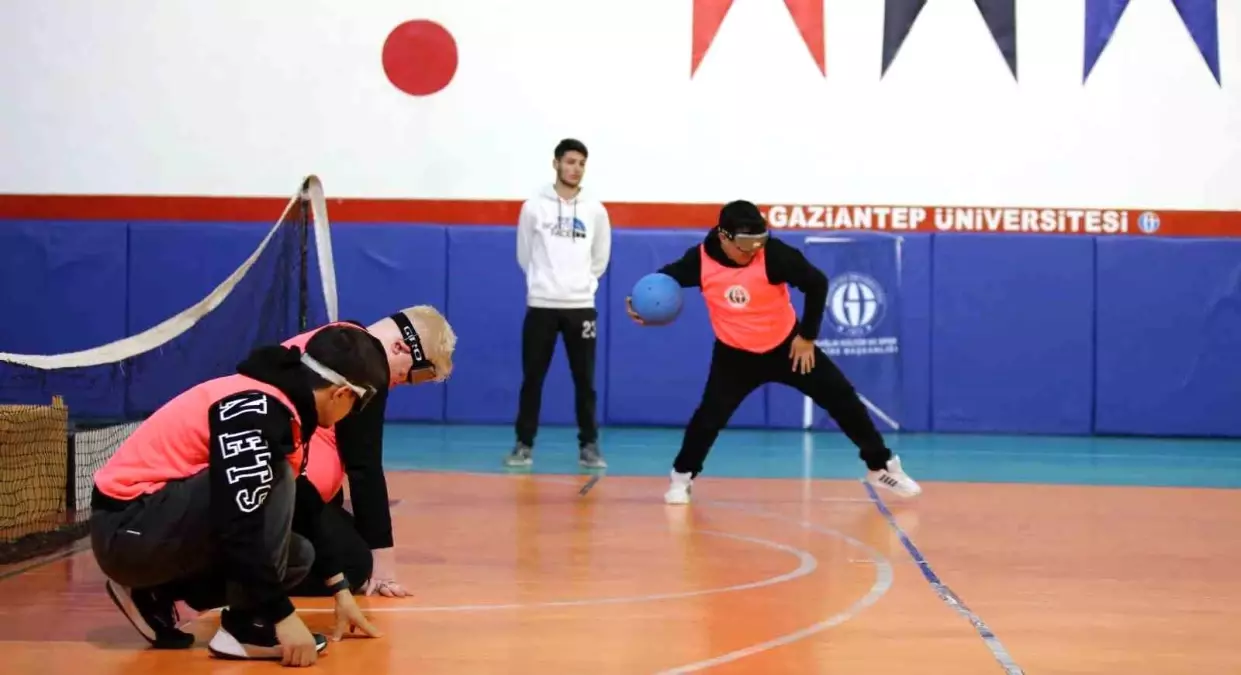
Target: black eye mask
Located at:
point(410, 337)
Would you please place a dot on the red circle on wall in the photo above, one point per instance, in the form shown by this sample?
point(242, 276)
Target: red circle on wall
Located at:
point(420, 57)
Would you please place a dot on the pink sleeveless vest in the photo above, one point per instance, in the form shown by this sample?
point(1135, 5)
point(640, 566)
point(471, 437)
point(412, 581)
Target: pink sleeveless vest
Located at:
point(173, 443)
point(747, 311)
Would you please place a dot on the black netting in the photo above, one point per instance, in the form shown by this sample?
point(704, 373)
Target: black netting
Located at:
point(59, 425)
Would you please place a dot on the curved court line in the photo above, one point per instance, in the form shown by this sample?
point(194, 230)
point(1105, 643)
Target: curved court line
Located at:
point(807, 563)
point(946, 594)
point(883, 583)
point(884, 576)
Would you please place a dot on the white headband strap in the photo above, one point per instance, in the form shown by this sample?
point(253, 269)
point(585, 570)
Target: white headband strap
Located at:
point(330, 375)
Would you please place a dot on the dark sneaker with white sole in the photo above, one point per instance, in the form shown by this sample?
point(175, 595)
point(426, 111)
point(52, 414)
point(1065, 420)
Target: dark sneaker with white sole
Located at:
point(522, 456)
point(243, 639)
point(590, 457)
point(151, 614)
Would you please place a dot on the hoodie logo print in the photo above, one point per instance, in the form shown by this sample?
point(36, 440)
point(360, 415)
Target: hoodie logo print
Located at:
point(568, 227)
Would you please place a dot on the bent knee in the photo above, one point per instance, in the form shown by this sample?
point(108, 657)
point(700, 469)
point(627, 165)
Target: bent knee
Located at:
point(301, 556)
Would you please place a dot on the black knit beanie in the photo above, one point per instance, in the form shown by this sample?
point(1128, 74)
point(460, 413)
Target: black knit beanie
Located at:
point(741, 217)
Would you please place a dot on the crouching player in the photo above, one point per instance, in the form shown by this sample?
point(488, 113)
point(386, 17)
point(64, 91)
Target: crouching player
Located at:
point(418, 343)
point(197, 504)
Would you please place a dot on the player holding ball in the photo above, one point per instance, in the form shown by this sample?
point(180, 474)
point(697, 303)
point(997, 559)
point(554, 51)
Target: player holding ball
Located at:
point(744, 275)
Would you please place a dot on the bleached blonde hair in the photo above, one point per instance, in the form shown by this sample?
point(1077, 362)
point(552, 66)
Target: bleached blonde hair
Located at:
point(437, 335)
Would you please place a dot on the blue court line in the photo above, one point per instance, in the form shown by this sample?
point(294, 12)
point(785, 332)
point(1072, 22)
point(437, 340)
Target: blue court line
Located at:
point(941, 589)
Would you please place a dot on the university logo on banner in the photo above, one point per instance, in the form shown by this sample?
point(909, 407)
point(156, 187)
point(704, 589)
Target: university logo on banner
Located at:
point(857, 310)
point(855, 304)
point(861, 325)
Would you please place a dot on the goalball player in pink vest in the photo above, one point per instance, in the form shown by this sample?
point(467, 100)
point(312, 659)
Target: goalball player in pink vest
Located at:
point(418, 343)
point(197, 504)
point(744, 275)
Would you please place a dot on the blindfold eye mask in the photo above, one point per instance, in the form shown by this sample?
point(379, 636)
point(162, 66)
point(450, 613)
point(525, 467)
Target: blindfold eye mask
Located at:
point(410, 337)
point(364, 393)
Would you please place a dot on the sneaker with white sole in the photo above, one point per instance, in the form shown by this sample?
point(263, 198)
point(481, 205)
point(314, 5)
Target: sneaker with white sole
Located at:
point(680, 488)
point(151, 614)
point(894, 478)
point(522, 456)
point(242, 639)
point(590, 457)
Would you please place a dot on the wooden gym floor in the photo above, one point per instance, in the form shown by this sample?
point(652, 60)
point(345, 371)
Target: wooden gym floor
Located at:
point(1023, 555)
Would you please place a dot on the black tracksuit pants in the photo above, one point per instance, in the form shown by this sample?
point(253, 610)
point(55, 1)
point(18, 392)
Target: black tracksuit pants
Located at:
point(538, 344)
point(335, 528)
point(735, 374)
point(164, 541)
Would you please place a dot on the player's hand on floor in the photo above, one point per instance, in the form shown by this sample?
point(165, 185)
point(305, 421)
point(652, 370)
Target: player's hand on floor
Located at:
point(388, 588)
point(632, 314)
point(383, 575)
point(297, 644)
point(349, 618)
point(802, 353)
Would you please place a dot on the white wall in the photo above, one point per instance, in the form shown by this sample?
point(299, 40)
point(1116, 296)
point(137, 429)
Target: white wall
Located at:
point(238, 97)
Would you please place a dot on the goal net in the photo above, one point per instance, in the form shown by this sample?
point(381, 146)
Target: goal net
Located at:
point(862, 322)
point(63, 415)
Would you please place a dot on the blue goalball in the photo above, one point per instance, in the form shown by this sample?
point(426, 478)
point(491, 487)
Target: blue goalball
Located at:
point(656, 298)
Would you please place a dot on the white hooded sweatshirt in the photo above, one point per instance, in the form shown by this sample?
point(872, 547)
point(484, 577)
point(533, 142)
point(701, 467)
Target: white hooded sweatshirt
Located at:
point(563, 246)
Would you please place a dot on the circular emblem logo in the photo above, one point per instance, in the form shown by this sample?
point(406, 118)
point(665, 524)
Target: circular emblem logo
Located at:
point(737, 296)
point(855, 304)
point(1148, 222)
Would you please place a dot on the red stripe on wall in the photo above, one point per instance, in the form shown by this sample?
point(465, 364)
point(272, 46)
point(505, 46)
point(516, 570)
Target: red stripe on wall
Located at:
point(814, 218)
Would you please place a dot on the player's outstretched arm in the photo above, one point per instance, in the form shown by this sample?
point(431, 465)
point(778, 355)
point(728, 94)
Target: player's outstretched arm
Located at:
point(360, 437)
point(250, 438)
point(308, 521)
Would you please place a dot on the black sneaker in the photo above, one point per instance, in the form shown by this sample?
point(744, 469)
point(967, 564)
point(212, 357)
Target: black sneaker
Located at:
point(244, 639)
point(153, 615)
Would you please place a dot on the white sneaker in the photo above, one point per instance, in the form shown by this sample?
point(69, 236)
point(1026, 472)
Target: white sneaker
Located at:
point(678, 491)
point(239, 639)
point(895, 479)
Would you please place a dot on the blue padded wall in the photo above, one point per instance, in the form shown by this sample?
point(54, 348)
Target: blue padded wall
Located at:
point(784, 405)
point(916, 332)
point(47, 267)
point(64, 290)
point(176, 265)
point(1012, 343)
point(381, 268)
point(487, 304)
point(1010, 334)
point(656, 373)
point(1169, 337)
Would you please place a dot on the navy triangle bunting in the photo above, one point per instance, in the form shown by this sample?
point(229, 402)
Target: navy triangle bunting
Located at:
point(898, 18)
point(1201, 18)
point(1001, 18)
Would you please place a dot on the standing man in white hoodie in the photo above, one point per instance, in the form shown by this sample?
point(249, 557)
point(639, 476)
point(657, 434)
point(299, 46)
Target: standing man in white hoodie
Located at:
point(564, 243)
